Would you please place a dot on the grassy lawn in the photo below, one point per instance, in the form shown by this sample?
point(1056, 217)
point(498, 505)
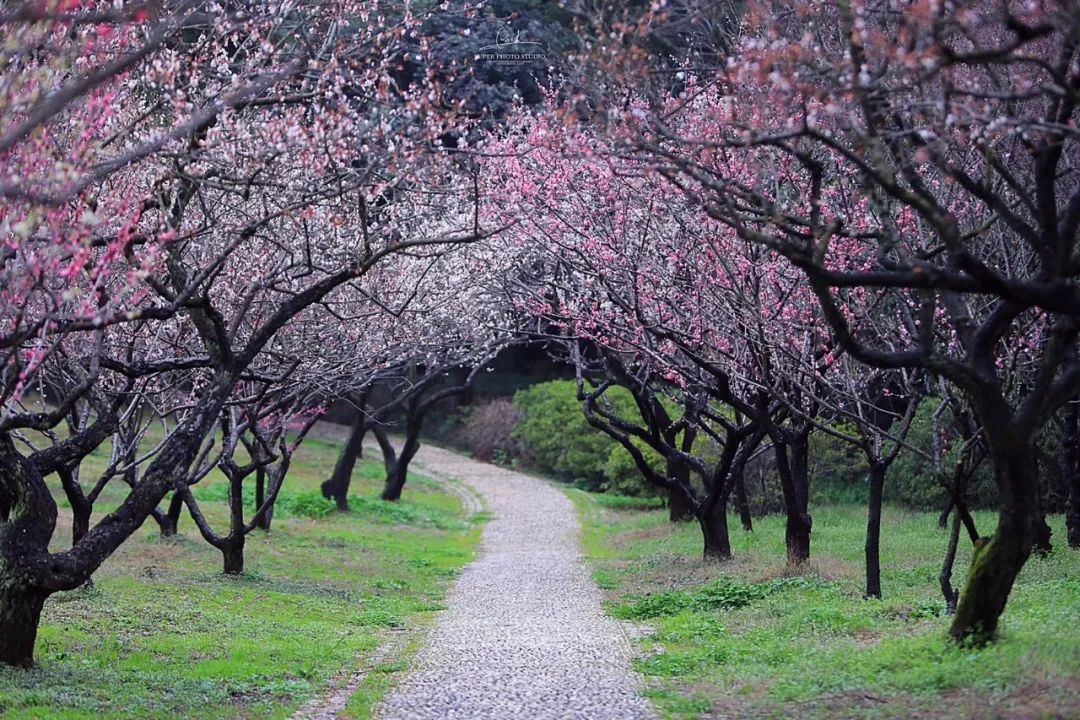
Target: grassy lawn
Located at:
point(163, 634)
point(740, 639)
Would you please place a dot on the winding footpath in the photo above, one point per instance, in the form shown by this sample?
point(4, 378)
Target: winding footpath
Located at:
point(524, 634)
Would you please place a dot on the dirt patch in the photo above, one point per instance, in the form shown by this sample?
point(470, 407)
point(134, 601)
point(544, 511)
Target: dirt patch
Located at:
point(674, 572)
point(1048, 699)
point(1057, 698)
point(653, 533)
point(826, 568)
point(866, 638)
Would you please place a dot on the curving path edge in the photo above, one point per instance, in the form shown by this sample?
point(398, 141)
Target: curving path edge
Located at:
point(524, 634)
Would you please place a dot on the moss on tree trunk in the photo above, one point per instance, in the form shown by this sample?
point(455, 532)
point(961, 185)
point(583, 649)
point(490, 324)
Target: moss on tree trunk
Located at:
point(997, 560)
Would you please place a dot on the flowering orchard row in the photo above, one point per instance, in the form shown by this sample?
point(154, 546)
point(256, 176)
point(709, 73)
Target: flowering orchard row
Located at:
point(217, 217)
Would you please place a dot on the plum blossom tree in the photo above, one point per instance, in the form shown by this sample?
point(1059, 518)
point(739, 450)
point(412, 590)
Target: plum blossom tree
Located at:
point(922, 154)
point(257, 439)
point(872, 410)
point(697, 443)
point(622, 261)
point(191, 195)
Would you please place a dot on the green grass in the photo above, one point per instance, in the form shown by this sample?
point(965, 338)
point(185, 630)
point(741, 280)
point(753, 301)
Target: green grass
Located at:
point(163, 634)
point(741, 639)
point(378, 681)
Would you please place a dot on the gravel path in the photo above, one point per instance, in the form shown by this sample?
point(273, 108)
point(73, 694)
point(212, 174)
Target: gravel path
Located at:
point(523, 635)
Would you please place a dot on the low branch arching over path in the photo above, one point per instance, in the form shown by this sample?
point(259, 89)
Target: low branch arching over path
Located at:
point(524, 634)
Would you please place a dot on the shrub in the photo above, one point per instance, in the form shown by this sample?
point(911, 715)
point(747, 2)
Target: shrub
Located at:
point(837, 468)
point(621, 474)
point(722, 594)
point(487, 431)
point(307, 504)
point(628, 502)
point(555, 437)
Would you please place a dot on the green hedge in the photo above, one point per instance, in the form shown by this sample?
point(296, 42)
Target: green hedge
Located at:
point(550, 433)
point(555, 438)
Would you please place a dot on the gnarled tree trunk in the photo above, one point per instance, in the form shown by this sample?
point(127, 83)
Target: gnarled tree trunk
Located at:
point(262, 521)
point(232, 554)
point(951, 594)
point(170, 519)
point(997, 560)
point(389, 454)
point(398, 470)
point(27, 521)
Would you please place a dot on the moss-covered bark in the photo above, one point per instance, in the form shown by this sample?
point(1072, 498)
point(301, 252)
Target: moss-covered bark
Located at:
point(997, 560)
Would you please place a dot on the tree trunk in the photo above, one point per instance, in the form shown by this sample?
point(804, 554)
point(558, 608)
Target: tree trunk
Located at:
point(232, 553)
point(680, 508)
point(395, 480)
point(260, 487)
point(80, 522)
point(1072, 472)
point(263, 521)
point(27, 521)
point(950, 593)
point(714, 530)
point(20, 614)
point(742, 503)
point(386, 447)
point(171, 518)
point(1042, 545)
point(797, 539)
point(399, 471)
point(1072, 512)
point(792, 458)
point(233, 547)
point(800, 471)
point(997, 560)
point(80, 505)
point(337, 487)
point(873, 530)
